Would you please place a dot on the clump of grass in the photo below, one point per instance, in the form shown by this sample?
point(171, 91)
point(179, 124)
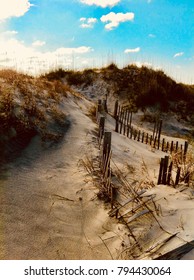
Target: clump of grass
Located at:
point(30, 106)
point(92, 112)
point(186, 163)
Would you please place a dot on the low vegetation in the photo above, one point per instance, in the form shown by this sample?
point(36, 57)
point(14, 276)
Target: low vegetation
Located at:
point(29, 106)
point(142, 87)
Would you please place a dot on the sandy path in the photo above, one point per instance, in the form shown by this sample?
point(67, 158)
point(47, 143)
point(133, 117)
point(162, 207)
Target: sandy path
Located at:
point(47, 210)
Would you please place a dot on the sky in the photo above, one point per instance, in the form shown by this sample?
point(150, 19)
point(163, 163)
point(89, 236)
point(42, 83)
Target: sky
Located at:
point(41, 35)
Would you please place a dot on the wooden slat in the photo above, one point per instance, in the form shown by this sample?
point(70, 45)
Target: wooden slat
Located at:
point(177, 253)
point(137, 215)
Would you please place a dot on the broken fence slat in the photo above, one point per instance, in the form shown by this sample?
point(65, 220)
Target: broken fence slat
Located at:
point(141, 204)
point(137, 215)
point(178, 252)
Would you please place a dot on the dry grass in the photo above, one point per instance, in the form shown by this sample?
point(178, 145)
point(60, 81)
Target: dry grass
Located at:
point(186, 164)
point(30, 106)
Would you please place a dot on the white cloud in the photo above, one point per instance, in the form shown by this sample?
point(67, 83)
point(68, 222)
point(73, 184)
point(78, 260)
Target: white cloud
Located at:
point(115, 19)
point(13, 8)
point(87, 22)
point(10, 32)
point(15, 54)
point(178, 54)
point(38, 43)
point(101, 3)
point(82, 19)
point(78, 50)
point(132, 50)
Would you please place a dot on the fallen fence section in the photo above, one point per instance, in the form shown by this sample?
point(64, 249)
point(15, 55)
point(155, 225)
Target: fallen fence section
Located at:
point(176, 253)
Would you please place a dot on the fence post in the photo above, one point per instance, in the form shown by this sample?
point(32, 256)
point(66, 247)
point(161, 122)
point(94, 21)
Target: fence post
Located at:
point(167, 146)
point(117, 124)
point(147, 138)
point(154, 129)
point(142, 140)
point(169, 173)
point(155, 142)
point(185, 149)
point(135, 134)
point(119, 112)
point(121, 121)
point(104, 104)
point(172, 146)
point(165, 170)
point(116, 108)
point(128, 116)
point(125, 116)
point(101, 127)
point(161, 171)
point(177, 145)
point(138, 137)
point(163, 141)
point(159, 133)
point(106, 145)
point(131, 132)
point(128, 130)
point(150, 140)
point(178, 176)
point(99, 108)
point(131, 118)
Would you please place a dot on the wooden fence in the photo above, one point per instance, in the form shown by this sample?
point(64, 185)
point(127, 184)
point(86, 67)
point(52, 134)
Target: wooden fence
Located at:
point(123, 125)
point(127, 205)
point(166, 169)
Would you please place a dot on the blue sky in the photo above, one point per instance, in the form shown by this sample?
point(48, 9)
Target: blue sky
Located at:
point(37, 35)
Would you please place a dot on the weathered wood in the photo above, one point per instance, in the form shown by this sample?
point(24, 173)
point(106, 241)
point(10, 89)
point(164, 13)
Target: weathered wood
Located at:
point(128, 128)
point(98, 109)
point(107, 143)
point(177, 145)
point(131, 132)
point(169, 173)
point(185, 150)
point(116, 109)
point(137, 215)
point(138, 137)
point(119, 112)
point(165, 168)
point(154, 129)
point(159, 129)
point(104, 105)
point(142, 140)
point(163, 143)
point(124, 121)
point(147, 138)
point(128, 115)
point(121, 121)
point(178, 176)
point(101, 127)
point(131, 115)
point(138, 206)
point(117, 124)
point(167, 146)
point(150, 140)
point(172, 146)
point(161, 171)
point(177, 253)
point(135, 134)
point(155, 142)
